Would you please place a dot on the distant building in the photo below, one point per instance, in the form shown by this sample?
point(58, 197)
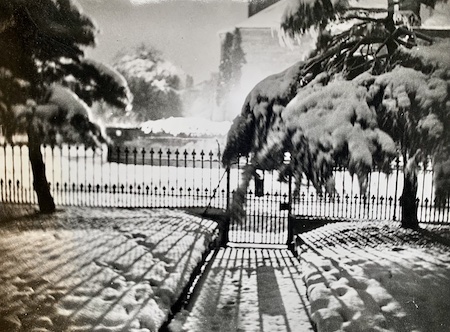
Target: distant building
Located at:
point(200, 99)
point(255, 6)
point(266, 51)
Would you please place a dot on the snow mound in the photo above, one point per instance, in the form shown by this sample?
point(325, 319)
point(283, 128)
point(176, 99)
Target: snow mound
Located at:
point(68, 101)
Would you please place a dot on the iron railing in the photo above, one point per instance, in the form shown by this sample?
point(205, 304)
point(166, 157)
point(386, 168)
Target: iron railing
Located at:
point(131, 177)
point(119, 177)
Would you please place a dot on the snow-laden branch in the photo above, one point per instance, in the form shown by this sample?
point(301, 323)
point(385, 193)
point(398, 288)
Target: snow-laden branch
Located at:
point(325, 119)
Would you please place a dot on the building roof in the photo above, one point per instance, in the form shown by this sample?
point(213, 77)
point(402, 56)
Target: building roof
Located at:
point(266, 18)
point(271, 16)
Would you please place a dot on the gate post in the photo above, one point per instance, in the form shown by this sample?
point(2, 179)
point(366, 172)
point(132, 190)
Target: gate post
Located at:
point(290, 233)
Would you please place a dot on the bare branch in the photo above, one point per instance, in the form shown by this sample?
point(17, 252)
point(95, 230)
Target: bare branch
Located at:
point(371, 10)
point(423, 36)
point(364, 18)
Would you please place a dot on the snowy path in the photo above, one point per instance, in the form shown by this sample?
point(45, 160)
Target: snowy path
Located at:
point(246, 290)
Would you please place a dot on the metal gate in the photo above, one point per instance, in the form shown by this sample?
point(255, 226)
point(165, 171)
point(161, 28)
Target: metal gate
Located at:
point(266, 219)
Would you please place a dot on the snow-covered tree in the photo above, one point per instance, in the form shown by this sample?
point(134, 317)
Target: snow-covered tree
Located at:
point(154, 82)
point(46, 84)
point(189, 82)
point(364, 96)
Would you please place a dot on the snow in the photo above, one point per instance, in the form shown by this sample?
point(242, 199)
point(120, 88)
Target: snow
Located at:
point(149, 67)
point(97, 269)
point(248, 289)
point(109, 71)
point(376, 277)
point(431, 125)
point(436, 55)
point(437, 17)
point(368, 4)
point(68, 101)
point(119, 270)
point(359, 276)
point(72, 116)
point(191, 126)
point(332, 119)
point(333, 122)
point(404, 87)
point(402, 82)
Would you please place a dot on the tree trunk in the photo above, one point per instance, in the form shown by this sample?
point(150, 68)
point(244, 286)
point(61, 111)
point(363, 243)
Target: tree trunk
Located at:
point(40, 184)
point(408, 202)
point(408, 198)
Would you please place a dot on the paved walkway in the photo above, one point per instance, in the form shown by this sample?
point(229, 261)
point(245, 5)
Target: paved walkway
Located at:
point(248, 289)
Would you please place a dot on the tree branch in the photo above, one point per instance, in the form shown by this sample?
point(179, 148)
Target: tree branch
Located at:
point(364, 18)
point(372, 10)
point(423, 36)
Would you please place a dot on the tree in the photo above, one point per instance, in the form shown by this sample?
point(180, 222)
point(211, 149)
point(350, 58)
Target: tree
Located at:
point(232, 59)
point(189, 82)
point(41, 62)
point(154, 82)
point(364, 96)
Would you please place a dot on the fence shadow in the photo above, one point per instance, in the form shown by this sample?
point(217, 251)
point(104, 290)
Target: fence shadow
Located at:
point(87, 272)
point(249, 289)
point(399, 275)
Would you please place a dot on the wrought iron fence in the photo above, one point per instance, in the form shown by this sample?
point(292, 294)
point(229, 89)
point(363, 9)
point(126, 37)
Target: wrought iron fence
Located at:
point(120, 177)
point(381, 201)
point(131, 177)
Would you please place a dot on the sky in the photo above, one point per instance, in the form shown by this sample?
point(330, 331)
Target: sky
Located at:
point(185, 31)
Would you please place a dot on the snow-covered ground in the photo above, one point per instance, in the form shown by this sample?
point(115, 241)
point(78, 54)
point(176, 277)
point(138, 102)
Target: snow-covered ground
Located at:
point(96, 269)
point(248, 290)
point(377, 277)
point(358, 276)
point(87, 269)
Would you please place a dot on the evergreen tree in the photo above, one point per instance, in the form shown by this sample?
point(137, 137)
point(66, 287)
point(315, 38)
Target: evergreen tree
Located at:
point(237, 58)
point(189, 82)
point(232, 59)
point(154, 82)
point(41, 60)
point(366, 95)
point(225, 67)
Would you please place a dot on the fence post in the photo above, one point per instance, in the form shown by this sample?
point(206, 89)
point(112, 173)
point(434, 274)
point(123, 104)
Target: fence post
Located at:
point(224, 236)
point(290, 230)
point(397, 166)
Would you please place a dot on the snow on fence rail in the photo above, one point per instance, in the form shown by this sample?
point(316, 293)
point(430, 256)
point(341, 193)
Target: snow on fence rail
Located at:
point(131, 177)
